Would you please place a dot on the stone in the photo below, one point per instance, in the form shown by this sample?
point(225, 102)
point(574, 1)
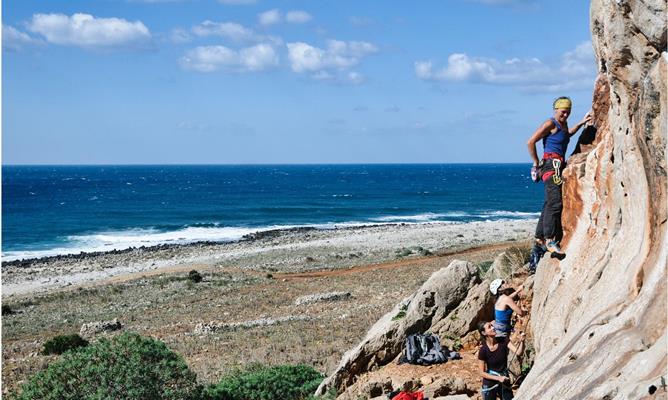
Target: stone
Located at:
point(319, 297)
point(211, 327)
point(93, 328)
point(598, 316)
point(455, 397)
point(476, 307)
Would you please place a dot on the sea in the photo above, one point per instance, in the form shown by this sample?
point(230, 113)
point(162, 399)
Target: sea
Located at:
point(56, 210)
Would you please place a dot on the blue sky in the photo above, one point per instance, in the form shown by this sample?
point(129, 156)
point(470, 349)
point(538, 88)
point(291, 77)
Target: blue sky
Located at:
point(243, 81)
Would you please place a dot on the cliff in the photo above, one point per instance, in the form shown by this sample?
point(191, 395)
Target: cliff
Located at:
point(599, 316)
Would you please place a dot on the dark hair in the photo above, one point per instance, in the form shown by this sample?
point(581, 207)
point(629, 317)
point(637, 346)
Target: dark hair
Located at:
point(506, 291)
point(481, 327)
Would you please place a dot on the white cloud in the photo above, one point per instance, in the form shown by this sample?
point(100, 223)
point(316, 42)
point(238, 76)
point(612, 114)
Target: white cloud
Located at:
point(237, 2)
point(15, 40)
point(355, 77)
point(179, 36)
point(270, 17)
point(230, 30)
point(298, 17)
point(575, 70)
point(234, 32)
point(213, 58)
point(339, 55)
point(331, 64)
point(87, 31)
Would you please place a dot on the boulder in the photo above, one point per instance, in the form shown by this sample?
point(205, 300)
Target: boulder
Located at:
point(213, 326)
point(93, 328)
point(445, 386)
point(319, 297)
point(476, 307)
point(437, 298)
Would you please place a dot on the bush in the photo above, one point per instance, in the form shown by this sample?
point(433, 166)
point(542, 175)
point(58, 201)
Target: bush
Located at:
point(516, 257)
point(126, 367)
point(483, 267)
point(293, 382)
point(194, 276)
point(7, 310)
point(63, 343)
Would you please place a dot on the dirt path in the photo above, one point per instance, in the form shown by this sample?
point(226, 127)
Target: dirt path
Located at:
point(393, 264)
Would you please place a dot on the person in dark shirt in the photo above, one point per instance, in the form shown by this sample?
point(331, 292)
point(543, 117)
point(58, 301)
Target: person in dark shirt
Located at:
point(493, 362)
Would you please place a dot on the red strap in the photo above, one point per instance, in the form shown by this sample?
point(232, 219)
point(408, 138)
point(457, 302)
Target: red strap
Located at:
point(547, 175)
point(550, 156)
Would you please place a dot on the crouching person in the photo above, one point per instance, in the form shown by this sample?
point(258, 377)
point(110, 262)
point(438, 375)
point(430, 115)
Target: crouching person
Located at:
point(493, 362)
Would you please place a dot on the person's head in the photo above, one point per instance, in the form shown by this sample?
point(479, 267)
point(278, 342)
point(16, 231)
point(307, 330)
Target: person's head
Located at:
point(486, 329)
point(500, 287)
point(496, 285)
point(562, 108)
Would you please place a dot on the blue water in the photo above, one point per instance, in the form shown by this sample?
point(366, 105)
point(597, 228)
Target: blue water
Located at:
point(50, 210)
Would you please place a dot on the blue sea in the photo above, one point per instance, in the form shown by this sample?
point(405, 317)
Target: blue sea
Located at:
point(50, 210)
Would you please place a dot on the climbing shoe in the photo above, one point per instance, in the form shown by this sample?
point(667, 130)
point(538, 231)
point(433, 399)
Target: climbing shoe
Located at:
point(558, 256)
point(553, 247)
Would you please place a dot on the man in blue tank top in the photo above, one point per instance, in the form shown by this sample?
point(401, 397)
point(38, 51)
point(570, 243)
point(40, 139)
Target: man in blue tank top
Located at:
point(555, 135)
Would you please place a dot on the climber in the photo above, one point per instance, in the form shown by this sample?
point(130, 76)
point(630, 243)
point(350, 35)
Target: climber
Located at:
point(504, 306)
point(493, 362)
point(555, 135)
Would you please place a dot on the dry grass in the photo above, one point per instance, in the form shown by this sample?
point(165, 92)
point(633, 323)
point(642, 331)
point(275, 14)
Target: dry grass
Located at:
point(168, 308)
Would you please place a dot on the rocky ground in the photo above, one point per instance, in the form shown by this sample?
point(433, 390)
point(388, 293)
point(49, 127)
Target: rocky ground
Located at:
point(252, 293)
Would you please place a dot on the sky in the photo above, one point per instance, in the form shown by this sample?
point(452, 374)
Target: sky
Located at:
point(273, 82)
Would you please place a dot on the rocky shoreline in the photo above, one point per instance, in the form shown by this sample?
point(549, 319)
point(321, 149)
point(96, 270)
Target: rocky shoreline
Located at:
point(289, 250)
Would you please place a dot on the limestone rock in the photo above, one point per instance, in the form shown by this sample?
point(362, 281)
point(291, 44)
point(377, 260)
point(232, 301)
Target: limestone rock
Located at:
point(93, 328)
point(478, 306)
point(212, 327)
point(445, 386)
point(318, 297)
point(434, 300)
point(598, 317)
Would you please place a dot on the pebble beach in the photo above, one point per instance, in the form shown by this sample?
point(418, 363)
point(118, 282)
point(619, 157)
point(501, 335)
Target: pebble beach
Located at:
point(281, 251)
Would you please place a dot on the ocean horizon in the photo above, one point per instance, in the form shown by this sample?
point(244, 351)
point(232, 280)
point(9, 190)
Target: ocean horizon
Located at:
point(67, 209)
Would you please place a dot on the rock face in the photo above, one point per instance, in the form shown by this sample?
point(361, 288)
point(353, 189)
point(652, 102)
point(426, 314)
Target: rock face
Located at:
point(599, 316)
point(454, 294)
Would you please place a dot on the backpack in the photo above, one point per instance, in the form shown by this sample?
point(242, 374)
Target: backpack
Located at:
point(423, 350)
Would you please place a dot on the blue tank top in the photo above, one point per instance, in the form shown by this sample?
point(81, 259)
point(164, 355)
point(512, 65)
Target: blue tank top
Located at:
point(503, 316)
point(556, 142)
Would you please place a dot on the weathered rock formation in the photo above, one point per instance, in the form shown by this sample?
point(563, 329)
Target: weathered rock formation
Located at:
point(599, 316)
point(93, 328)
point(448, 304)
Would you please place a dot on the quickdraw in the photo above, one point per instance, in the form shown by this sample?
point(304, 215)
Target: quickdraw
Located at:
point(556, 178)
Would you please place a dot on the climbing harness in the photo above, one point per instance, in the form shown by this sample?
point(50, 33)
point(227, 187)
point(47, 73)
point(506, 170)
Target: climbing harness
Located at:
point(485, 390)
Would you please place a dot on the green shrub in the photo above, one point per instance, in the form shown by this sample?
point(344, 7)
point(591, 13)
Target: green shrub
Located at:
point(293, 382)
point(483, 267)
point(194, 276)
point(63, 343)
point(7, 310)
point(401, 313)
point(126, 367)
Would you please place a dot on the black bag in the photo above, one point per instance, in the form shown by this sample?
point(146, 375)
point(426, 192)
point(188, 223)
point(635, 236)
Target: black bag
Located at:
point(423, 350)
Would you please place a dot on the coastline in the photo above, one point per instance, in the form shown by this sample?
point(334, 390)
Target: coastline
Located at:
point(293, 250)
